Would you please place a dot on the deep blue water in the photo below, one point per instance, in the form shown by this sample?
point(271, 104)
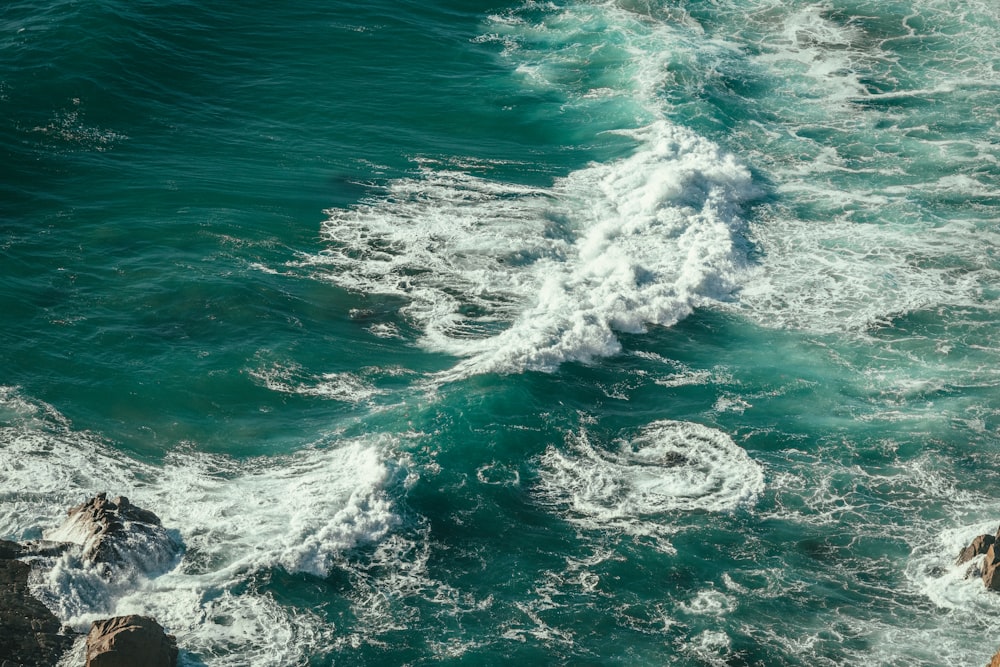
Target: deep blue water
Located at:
point(583, 333)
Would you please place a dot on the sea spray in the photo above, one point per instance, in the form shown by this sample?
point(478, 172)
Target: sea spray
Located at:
point(512, 278)
point(771, 225)
point(234, 519)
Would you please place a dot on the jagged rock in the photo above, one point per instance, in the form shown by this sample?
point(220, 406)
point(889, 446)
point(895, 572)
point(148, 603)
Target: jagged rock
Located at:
point(128, 641)
point(116, 532)
point(30, 634)
point(116, 537)
point(978, 546)
point(991, 567)
point(995, 662)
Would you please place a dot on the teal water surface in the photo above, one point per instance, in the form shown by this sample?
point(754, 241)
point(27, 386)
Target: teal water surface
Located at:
point(584, 333)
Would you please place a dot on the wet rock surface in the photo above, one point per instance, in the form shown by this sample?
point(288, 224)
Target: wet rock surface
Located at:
point(29, 633)
point(114, 532)
point(128, 641)
point(989, 568)
point(120, 541)
point(977, 547)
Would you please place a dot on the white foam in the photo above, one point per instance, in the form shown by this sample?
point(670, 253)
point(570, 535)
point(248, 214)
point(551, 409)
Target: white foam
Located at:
point(932, 570)
point(710, 647)
point(588, 51)
point(840, 252)
point(839, 277)
point(681, 375)
point(385, 330)
point(290, 378)
point(669, 466)
point(296, 512)
point(902, 503)
point(235, 518)
point(498, 474)
point(514, 278)
point(709, 602)
point(45, 467)
point(808, 44)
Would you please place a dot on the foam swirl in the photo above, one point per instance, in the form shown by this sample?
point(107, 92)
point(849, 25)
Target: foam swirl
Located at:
point(669, 466)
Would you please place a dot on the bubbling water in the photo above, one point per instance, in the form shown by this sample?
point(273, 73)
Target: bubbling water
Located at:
point(235, 520)
point(512, 278)
point(669, 466)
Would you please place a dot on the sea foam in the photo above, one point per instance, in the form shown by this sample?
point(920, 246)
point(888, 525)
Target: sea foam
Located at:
point(512, 278)
point(880, 165)
point(668, 466)
point(235, 519)
point(509, 277)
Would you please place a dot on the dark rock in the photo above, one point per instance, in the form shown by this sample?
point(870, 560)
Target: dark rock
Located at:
point(116, 532)
point(30, 634)
point(976, 547)
point(9, 549)
point(43, 549)
point(128, 641)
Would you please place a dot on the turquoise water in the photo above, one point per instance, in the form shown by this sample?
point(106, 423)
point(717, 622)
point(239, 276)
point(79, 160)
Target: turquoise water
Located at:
point(584, 333)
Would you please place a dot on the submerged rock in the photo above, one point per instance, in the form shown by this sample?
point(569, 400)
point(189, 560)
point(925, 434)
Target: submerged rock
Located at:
point(115, 532)
point(128, 641)
point(29, 633)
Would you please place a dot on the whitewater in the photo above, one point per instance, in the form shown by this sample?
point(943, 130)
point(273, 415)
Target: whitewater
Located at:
point(607, 332)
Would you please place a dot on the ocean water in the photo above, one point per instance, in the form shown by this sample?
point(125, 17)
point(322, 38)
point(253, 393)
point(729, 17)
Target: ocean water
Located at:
point(621, 332)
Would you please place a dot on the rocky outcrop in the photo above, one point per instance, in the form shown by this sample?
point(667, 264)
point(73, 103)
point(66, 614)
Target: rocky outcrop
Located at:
point(989, 569)
point(29, 633)
point(127, 641)
point(977, 547)
point(120, 541)
point(115, 533)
